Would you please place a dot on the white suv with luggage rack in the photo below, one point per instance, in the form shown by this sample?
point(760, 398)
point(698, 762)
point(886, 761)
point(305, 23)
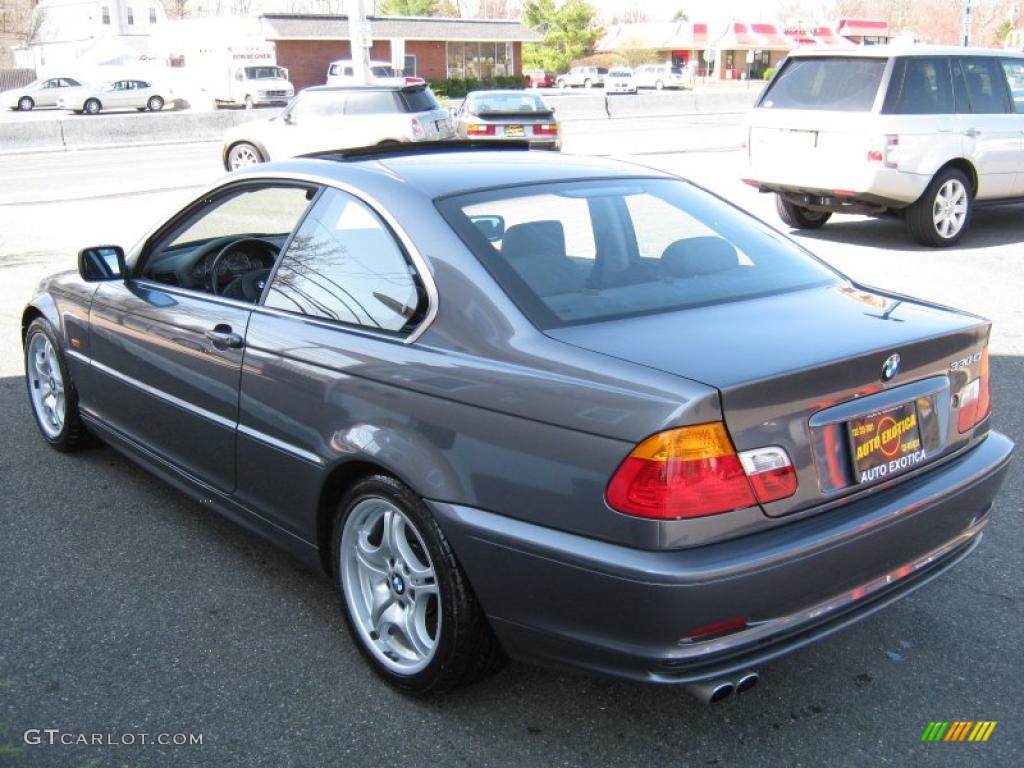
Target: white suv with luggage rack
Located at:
point(921, 133)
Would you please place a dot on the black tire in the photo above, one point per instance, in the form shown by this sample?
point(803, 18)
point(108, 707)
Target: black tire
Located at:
point(921, 215)
point(248, 102)
point(92, 107)
point(25, 104)
point(587, 83)
point(242, 154)
point(155, 103)
point(72, 435)
point(800, 218)
point(466, 647)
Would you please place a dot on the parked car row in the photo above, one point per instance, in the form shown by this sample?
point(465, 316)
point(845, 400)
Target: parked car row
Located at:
point(326, 118)
point(614, 79)
point(73, 96)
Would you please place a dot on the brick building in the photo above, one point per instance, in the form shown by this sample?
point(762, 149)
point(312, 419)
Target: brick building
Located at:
point(428, 47)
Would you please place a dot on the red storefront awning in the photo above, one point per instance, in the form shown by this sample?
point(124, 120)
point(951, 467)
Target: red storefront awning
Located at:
point(770, 36)
point(862, 28)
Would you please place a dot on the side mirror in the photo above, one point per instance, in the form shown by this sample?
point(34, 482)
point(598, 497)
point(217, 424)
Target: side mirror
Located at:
point(491, 227)
point(287, 117)
point(103, 262)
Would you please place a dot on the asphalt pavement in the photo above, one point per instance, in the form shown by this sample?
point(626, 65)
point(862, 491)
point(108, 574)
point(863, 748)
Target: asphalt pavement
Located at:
point(128, 609)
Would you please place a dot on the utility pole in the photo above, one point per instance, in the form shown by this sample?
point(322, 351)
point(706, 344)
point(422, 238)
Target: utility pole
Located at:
point(359, 40)
point(965, 27)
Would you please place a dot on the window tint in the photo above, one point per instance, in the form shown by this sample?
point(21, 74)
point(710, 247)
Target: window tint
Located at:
point(419, 100)
point(926, 87)
point(344, 264)
point(1014, 70)
point(252, 211)
point(986, 86)
point(827, 83)
point(370, 103)
point(584, 251)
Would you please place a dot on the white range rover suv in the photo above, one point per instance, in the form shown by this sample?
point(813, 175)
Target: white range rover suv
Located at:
point(922, 133)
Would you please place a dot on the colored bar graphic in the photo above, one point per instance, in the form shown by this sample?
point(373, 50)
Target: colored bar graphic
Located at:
point(958, 730)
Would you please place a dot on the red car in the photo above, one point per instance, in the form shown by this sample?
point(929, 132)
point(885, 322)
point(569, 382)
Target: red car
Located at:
point(538, 78)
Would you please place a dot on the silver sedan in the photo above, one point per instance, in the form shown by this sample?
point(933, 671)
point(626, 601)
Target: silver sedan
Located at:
point(120, 94)
point(38, 93)
point(508, 115)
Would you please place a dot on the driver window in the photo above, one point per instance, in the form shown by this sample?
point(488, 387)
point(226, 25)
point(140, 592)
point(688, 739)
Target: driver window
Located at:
point(227, 238)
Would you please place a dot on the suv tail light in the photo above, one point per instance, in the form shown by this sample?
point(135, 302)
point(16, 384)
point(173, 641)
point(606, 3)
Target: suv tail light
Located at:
point(694, 472)
point(889, 155)
point(476, 129)
point(417, 129)
point(976, 398)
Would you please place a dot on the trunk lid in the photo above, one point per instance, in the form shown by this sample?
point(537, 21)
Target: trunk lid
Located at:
point(794, 369)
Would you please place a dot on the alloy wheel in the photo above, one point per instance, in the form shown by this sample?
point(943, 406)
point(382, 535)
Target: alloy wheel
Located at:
point(390, 586)
point(46, 386)
point(949, 211)
point(242, 156)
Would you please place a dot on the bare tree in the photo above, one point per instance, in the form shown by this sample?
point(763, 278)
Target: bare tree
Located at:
point(634, 14)
point(177, 9)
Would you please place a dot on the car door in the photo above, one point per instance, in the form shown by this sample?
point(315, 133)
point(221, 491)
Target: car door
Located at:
point(343, 300)
point(1014, 71)
point(48, 93)
point(315, 122)
point(140, 93)
point(993, 138)
point(167, 351)
point(118, 96)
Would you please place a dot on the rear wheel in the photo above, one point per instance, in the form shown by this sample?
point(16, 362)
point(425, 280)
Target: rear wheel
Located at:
point(92, 106)
point(50, 389)
point(249, 103)
point(408, 604)
point(587, 83)
point(560, 83)
point(25, 104)
point(242, 155)
point(155, 104)
point(659, 85)
point(798, 217)
point(942, 214)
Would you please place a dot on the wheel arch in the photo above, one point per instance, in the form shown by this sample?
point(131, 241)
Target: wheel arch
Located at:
point(45, 307)
point(231, 145)
point(967, 167)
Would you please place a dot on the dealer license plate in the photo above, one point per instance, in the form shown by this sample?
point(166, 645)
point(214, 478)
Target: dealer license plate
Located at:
point(514, 131)
point(886, 443)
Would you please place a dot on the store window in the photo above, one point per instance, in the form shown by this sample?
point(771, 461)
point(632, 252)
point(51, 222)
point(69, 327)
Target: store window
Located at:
point(480, 61)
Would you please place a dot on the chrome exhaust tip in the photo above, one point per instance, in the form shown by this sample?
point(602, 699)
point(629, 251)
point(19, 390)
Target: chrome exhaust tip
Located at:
point(711, 692)
point(747, 682)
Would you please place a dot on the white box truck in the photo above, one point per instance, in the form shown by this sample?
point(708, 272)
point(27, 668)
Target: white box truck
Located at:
point(243, 73)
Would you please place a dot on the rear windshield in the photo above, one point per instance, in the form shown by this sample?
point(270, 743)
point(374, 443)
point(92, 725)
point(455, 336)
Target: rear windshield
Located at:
point(833, 83)
point(483, 104)
point(419, 100)
point(583, 251)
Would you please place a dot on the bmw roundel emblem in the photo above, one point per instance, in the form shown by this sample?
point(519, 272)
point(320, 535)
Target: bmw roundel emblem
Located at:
point(890, 368)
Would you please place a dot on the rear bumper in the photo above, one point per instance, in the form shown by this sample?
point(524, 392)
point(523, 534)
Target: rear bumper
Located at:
point(881, 187)
point(562, 599)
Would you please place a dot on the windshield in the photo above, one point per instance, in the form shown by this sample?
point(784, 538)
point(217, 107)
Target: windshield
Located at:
point(584, 251)
point(482, 104)
point(264, 73)
point(382, 72)
point(826, 83)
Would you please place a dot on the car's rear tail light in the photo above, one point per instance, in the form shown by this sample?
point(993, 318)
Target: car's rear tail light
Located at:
point(975, 399)
point(892, 151)
point(417, 129)
point(545, 129)
point(475, 129)
point(751, 182)
point(770, 472)
point(844, 193)
point(685, 472)
point(410, 80)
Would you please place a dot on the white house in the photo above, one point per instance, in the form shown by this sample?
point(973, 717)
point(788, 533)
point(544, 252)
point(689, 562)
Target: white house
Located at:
point(69, 34)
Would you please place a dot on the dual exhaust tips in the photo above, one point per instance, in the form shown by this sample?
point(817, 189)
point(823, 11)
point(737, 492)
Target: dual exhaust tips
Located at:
point(714, 691)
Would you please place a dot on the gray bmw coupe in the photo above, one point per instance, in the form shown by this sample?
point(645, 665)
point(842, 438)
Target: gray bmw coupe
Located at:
point(566, 409)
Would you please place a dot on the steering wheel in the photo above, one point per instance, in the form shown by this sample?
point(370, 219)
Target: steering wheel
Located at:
point(223, 252)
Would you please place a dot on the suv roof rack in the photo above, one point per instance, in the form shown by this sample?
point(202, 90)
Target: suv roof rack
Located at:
point(419, 148)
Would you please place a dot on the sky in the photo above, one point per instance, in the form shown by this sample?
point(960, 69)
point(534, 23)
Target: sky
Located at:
point(698, 10)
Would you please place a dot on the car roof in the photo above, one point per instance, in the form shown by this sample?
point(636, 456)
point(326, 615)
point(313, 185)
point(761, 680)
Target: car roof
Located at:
point(441, 169)
point(367, 87)
point(897, 49)
point(505, 91)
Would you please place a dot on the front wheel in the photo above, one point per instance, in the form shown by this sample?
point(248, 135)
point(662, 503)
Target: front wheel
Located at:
point(155, 104)
point(942, 214)
point(50, 389)
point(249, 103)
point(800, 218)
point(408, 604)
point(92, 107)
point(242, 155)
point(561, 84)
point(659, 85)
point(25, 104)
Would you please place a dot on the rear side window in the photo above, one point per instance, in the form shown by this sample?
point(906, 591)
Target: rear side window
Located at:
point(986, 85)
point(344, 264)
point(370, 103)
point(1014, 70)
point(585, 251)
point(832, 83)
point(418, 100)
point(921, 86)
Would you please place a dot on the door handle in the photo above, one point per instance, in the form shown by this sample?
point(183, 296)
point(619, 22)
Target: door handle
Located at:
point(972, 132)
point(223, 337)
